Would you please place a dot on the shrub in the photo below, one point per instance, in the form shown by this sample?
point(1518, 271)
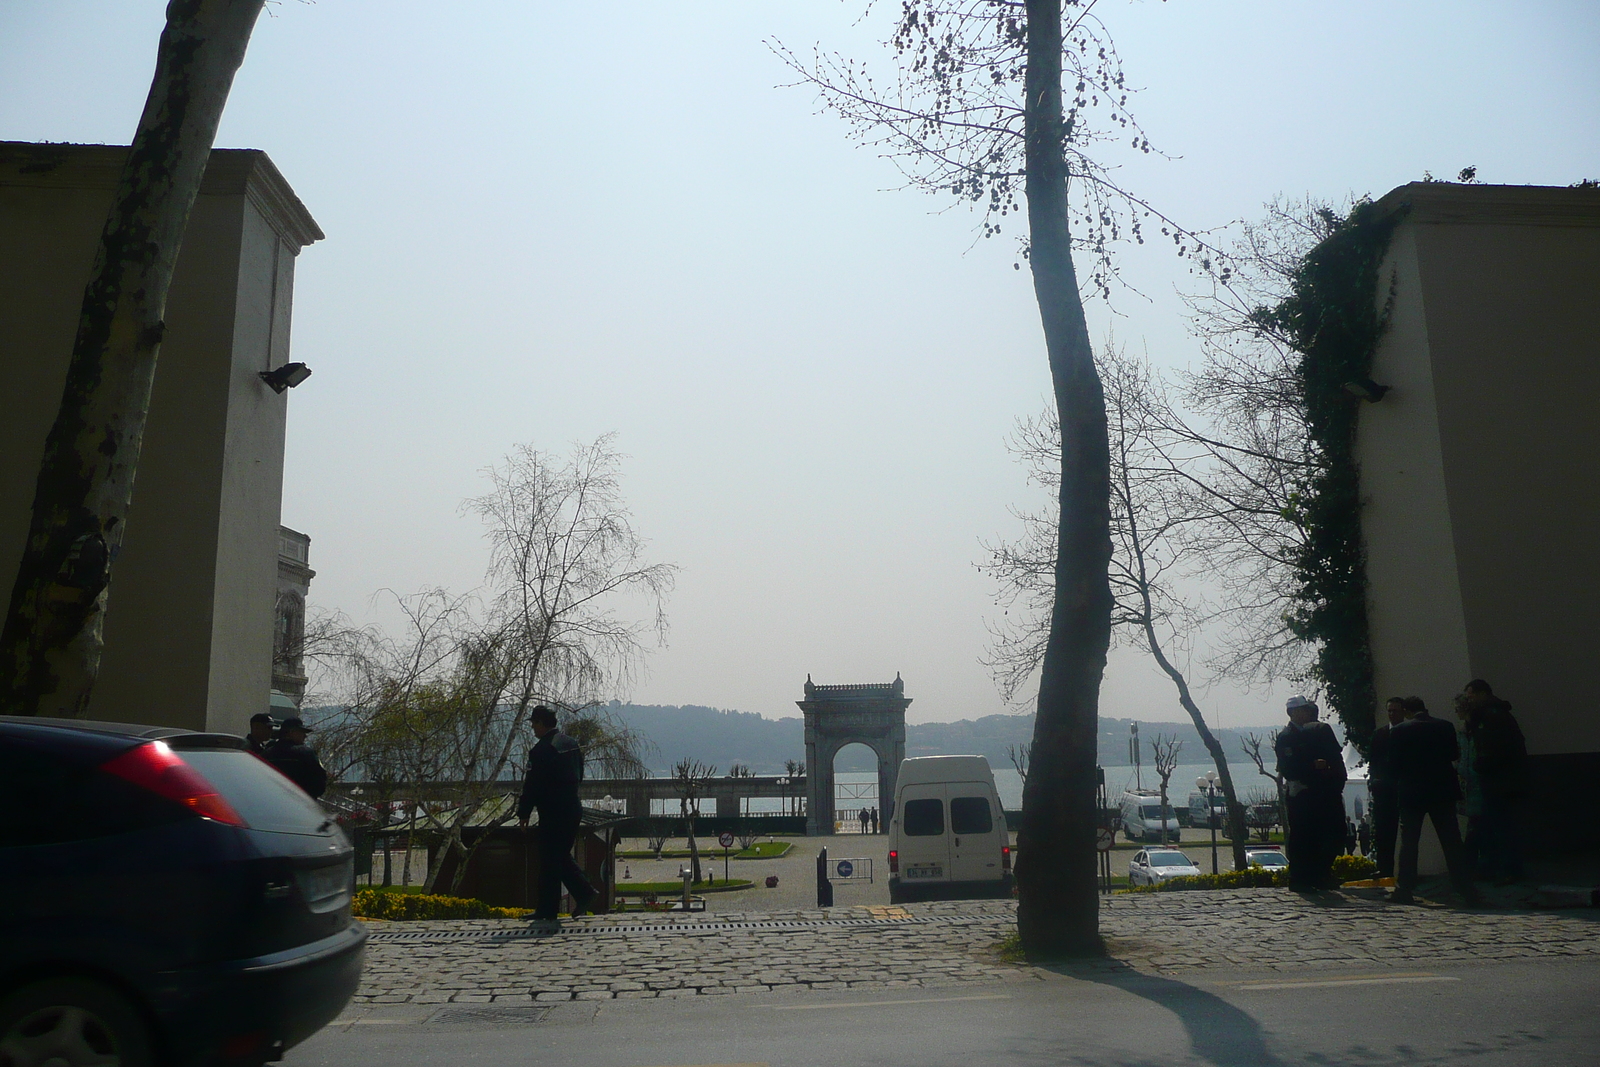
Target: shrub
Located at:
point(402, 907)
point(1254, 877)
point(1353, 868)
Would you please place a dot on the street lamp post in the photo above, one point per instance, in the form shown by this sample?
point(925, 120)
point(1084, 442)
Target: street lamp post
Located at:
point(1208, 783)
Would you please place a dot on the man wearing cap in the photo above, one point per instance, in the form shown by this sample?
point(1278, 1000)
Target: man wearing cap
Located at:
point(261, 727)
point(555, 767)
point(1312, 766)
point(297, 760)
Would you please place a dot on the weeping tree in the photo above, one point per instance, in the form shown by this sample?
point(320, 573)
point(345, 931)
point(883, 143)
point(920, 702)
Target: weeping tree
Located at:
point(51, 643)
point(992, 98)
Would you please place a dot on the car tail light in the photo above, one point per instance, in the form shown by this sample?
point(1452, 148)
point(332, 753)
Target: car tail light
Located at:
point(154, 766)
point(894, 861)
point(1005, 857)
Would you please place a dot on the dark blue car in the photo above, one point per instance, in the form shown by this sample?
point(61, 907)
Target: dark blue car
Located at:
point(165, 898)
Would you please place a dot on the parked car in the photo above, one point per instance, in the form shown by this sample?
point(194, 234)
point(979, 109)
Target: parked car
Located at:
point(165, 897)
point(1143, 818)
point(947, 836)
point(1151, 866)
point(1271, 858)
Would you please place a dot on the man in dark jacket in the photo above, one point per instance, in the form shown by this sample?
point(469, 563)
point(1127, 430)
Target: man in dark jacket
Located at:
point(1312, 765)
point(261, 727)
point(296, 759)
point(1380, 787)
point(555, 767)
point(1499, 775)
point(1423, 752)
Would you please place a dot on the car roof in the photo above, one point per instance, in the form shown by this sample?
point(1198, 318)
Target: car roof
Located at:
point(128, 730)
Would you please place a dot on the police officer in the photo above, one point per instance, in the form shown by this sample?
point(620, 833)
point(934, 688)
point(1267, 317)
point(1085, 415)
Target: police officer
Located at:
point(297, 760)
point(1312, 766)
point(555, 767)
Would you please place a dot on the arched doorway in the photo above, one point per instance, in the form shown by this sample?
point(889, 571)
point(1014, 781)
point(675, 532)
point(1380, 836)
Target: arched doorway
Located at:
point(840, 715)
point(855, 787)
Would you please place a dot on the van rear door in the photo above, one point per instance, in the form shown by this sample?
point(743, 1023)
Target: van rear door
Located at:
point(975, 828)
point(924, 838)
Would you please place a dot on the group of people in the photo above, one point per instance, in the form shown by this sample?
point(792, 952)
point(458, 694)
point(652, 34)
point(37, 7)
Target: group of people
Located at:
point(284, 746)
point(1419, 770)
point(868, 818)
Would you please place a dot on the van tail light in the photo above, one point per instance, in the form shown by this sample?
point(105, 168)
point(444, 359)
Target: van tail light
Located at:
point(1005, 857)
point(894, 861)
point(154, 766)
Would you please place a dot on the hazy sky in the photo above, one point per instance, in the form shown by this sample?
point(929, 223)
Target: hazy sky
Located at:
point(549, 221)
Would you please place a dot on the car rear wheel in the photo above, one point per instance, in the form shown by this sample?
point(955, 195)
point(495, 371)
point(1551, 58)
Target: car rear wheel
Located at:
point(71, 1022)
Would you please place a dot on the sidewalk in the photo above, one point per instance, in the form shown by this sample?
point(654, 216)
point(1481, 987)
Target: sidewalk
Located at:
point(942, 944)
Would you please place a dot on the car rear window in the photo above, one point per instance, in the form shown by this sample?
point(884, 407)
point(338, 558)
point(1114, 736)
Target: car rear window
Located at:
point(262, 796)
point(923, 818)
point(47, 798)
point(970, 815)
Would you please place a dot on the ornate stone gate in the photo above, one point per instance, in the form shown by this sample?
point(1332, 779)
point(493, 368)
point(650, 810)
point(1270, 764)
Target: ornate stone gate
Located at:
point(840, 715)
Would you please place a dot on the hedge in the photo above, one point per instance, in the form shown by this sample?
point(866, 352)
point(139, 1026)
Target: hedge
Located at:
point(1345, 869)
point(400, 907)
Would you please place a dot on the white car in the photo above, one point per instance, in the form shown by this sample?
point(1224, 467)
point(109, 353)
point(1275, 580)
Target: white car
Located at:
point(1270, 858)
point(1150, 866)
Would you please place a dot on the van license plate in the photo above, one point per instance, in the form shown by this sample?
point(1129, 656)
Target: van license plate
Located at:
point(924, 872)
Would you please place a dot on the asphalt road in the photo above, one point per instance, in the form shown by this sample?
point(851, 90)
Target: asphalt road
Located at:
point(1517, 1013)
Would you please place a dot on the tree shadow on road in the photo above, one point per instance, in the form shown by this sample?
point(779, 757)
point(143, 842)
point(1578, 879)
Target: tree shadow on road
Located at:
point(1219, 1033)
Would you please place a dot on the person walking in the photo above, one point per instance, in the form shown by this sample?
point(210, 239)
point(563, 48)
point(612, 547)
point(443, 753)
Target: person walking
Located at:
point(295, 759)
point(1380, 788)
point(1494, 766)
point(1312, 765)
point(1423, 751)
point(555, 767)
point(260, 736)
point(1364, 836)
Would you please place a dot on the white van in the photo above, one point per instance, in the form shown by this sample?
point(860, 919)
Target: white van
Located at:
point(1141, 816)
point(947, 838)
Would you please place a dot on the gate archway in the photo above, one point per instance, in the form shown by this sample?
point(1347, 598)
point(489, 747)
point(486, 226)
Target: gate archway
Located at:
point(838, 715)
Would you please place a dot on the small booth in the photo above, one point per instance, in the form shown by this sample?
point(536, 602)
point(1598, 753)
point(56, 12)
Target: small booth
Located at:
point(504, 870)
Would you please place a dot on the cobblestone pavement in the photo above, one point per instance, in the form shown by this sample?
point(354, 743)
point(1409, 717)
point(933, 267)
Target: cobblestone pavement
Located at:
point(941, 944)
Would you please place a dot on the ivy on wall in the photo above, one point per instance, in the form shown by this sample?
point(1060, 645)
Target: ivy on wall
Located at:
point(1333, 320)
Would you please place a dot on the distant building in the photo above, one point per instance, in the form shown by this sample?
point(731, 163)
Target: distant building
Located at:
point(289, 616)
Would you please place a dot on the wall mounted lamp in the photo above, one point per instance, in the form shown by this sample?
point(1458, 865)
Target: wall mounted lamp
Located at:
point(290, 375)
point(1364, 389)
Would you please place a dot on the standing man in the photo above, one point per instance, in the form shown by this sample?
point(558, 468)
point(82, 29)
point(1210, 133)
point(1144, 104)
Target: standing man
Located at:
point(1496, 769)
point(1423, 751)
point(1312, 765)
point(261, 725)
point(1380, 786)
point(295, 759)
point(555, 767)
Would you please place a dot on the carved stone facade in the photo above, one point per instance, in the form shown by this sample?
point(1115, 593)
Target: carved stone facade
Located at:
point(839, 715)
point(289, 615)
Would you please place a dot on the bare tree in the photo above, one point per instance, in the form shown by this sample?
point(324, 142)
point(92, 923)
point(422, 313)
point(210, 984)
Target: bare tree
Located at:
point(1164, 748)
point(692, 776)
point(989, 97)
point(1252, 745)
point(51, 643)
point(450, 698)
point(1159, 514)
point(1018, 755)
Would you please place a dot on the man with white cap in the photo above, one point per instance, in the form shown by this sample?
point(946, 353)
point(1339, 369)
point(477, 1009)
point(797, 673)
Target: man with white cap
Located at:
point(1312, 765)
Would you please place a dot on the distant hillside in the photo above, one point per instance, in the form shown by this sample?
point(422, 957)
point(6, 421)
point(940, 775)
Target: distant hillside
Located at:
point(723, 738)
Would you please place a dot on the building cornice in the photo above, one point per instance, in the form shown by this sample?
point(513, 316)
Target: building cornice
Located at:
point(1494, 205)
point(229, 172)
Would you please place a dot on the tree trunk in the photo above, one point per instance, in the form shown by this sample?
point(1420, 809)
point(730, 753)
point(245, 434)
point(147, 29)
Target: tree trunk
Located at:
point(50, 647)
point(1238, 833)
point(1058, 913)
